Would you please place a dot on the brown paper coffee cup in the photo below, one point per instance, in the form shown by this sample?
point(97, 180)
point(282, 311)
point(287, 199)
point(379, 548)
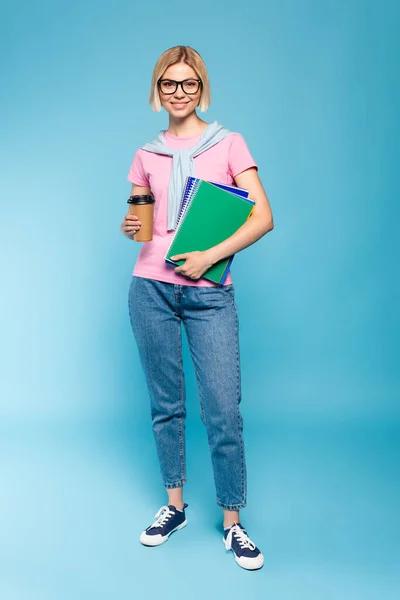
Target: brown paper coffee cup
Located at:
point(143, 207)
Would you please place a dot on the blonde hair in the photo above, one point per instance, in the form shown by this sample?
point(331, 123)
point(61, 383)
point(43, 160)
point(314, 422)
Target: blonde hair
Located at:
point(174, 55)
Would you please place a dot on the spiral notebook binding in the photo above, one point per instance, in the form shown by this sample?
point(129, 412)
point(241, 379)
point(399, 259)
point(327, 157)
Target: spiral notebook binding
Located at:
point(192, 183)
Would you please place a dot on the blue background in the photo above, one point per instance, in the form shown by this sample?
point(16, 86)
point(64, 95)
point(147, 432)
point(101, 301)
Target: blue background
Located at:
point(311, 86)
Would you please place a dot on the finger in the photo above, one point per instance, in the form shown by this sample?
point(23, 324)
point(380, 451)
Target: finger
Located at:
point(130, 230)
point(130, 224)
point(131, 218)
point(179, 257)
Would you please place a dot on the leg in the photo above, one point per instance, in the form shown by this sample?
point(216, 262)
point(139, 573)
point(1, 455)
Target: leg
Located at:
point(175, 497)
point(230, 517)
point(157, 330)
point(211, 324)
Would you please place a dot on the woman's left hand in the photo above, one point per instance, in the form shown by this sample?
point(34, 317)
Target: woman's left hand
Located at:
point(195, 265)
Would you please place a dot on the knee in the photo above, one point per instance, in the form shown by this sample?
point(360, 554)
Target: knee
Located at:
point(224, 428)
point(161, 415)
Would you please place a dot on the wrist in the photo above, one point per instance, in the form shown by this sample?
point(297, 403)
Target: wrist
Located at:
point(211, 255)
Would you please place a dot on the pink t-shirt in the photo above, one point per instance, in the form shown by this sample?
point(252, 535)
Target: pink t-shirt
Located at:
point(220, 163)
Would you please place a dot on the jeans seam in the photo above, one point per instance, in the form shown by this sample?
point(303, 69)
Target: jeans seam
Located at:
point(238, 399)
point(181, 403)
point(129, 302)
point(231, 506)
point(177, 484)
point(202, 413)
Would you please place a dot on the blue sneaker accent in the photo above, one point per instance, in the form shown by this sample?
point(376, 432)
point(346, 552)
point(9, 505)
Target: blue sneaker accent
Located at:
point(168, 520)
point(246, 553)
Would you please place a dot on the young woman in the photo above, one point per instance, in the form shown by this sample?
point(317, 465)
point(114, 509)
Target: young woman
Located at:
point(162, 298)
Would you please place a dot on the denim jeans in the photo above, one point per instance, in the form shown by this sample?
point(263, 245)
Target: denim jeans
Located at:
point(209, 316)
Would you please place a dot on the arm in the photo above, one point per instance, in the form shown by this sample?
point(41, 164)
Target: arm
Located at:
point(139, 189)
point(260, 223)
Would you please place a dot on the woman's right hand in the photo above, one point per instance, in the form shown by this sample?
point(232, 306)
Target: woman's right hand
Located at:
point(130, 225)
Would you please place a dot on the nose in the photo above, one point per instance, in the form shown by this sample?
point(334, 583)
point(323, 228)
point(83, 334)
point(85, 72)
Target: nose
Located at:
point(179, 93)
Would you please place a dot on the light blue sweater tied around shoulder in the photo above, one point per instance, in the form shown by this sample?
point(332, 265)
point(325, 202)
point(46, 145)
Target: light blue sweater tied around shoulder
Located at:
point(183, 163)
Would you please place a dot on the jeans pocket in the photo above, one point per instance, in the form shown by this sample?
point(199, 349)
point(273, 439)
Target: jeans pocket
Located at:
point(213, 297)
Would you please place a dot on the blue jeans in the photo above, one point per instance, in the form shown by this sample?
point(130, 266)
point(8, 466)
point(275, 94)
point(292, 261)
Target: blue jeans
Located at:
point(209, 316)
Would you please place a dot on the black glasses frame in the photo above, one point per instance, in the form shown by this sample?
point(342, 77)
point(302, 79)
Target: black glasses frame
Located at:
point(181, 84)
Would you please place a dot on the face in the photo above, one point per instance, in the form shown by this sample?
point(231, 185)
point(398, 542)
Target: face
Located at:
point(180, 104)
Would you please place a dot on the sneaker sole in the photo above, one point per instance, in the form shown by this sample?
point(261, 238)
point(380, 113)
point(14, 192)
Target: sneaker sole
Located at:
point(147, 540)
point(246, 564)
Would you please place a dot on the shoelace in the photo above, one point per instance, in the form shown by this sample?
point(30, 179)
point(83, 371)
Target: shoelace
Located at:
point(241, 536)
point(162, 516)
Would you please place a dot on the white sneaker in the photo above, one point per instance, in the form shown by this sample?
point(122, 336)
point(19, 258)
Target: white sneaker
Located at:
point(247, 555)
point(168, 520)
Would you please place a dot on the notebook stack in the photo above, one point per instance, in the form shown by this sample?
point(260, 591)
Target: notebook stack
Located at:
point(209, 214)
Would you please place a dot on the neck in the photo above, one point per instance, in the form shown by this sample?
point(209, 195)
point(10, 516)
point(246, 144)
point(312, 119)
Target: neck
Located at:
point(187, 126)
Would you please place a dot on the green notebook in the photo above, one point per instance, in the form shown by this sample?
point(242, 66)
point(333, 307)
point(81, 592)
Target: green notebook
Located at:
point(212, 216)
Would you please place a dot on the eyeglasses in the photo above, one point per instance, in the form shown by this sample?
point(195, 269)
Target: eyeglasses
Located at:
point(189, 86)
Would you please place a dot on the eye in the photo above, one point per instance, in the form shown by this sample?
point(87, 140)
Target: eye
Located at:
point(191, 83)
point(167, 83)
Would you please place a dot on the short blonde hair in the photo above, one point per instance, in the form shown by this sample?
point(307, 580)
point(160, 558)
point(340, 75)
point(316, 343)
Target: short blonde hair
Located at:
point(174, 55)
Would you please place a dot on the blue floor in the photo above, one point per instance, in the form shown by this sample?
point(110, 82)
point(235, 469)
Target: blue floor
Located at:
point(322, 506)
